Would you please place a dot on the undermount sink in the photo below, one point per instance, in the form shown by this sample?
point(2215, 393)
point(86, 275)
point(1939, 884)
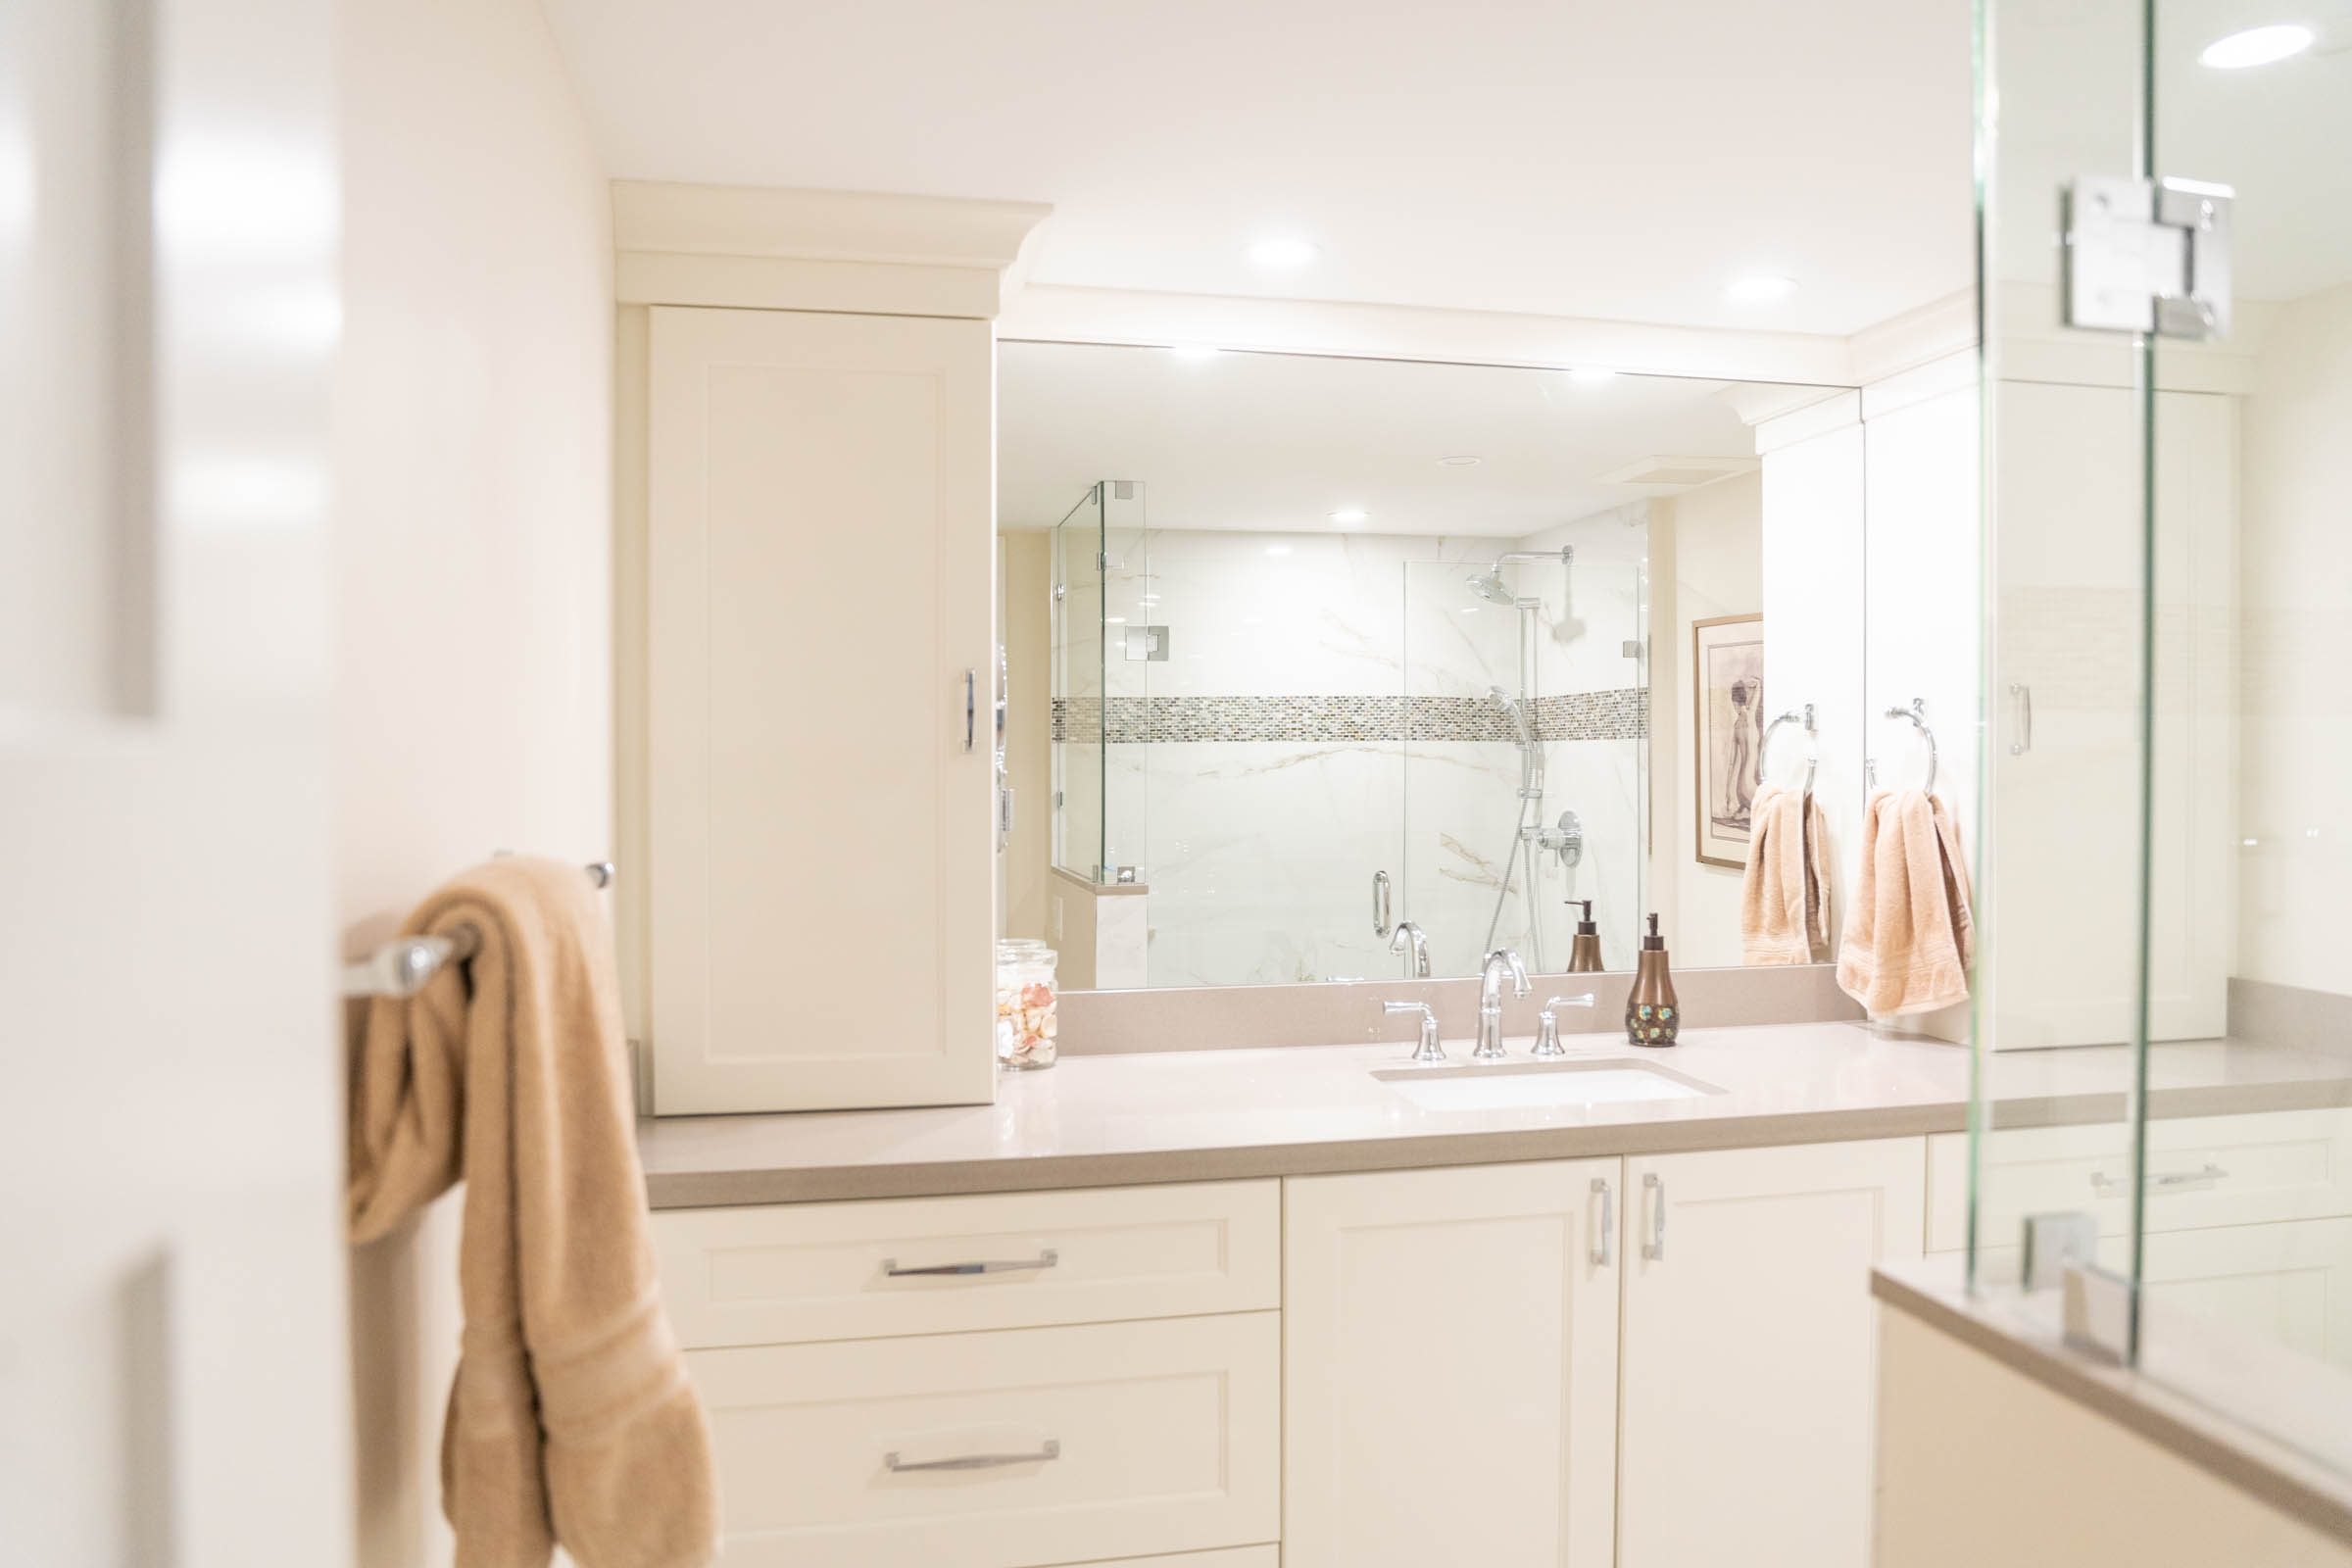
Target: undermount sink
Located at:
point(1506, 1086)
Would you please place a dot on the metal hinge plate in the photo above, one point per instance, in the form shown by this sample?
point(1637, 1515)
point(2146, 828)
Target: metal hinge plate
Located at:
point(2147, 256)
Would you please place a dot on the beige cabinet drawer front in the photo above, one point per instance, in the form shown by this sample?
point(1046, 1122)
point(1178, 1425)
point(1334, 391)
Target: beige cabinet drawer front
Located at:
point(1163, 1436)
point(791, 1273)
point(2202, 1171)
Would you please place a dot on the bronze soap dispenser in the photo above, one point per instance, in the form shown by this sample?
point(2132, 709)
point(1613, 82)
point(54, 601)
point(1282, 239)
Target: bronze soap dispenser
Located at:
point(1583, 956)
point(1652, 1017)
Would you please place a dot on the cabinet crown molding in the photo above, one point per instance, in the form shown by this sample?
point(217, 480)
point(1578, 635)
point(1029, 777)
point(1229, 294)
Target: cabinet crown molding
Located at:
point(775, 248)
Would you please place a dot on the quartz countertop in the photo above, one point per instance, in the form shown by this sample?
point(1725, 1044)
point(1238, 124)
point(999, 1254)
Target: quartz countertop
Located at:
point(1296, 1110)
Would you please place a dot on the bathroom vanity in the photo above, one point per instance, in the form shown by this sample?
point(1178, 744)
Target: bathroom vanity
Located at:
point(1314, 1305)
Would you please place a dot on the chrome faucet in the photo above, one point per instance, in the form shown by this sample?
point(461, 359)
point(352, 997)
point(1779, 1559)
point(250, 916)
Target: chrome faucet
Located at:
point(1427, 1050)
point(1547, 1024)
point(1501, 961)
point(1408, 935)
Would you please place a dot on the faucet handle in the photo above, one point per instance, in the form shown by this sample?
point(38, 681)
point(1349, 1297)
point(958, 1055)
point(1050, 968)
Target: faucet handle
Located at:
point(1427, 1049)
point(1547, 1024)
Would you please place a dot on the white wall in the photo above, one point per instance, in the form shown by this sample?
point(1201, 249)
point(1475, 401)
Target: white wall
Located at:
point(1922, 550)
point(2295, 585)
point(1716, 559)
point(1814, 539)
point(473, 562)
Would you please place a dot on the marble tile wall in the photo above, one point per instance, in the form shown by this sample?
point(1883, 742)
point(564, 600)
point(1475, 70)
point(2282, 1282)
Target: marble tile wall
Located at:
point(1324, 714)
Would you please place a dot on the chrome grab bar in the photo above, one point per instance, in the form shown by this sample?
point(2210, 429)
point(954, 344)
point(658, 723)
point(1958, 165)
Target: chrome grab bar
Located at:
point(1046, 1258)
point(1656, 1248)
point(401, 969)
point(1608, 1221)
point(2159, 1181)
point(1381, 924)
point(2025, 719)
point(974, 1461)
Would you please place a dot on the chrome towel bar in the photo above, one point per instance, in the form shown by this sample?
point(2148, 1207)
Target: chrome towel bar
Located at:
point(401, 969)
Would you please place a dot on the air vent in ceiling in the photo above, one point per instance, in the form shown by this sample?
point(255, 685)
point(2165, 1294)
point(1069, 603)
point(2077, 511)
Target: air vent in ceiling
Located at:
point(1678, 473)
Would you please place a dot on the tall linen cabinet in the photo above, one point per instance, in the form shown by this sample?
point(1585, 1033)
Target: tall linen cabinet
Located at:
point(806, 615)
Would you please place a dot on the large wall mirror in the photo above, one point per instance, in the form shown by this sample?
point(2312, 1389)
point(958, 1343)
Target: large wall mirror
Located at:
point(1303, 649)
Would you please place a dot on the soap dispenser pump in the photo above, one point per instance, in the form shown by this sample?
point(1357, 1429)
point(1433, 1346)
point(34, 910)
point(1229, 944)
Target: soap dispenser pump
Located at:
point(1583, 956)
point(1652, 1017)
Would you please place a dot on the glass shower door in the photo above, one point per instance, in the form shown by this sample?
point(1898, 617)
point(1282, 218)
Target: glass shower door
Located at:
point(2167, 569)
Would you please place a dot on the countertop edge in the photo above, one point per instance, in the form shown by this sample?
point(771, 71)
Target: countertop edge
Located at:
point(726, 1189)
point(2214, 1442)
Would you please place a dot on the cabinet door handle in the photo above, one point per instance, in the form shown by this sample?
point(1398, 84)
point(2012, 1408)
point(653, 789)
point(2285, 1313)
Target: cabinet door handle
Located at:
point(2159, 1181)
point(1608, 1221)
point(971, 708)
point(1045, 1259)
point(2025, 719)
point(1653, 1196)
point(1052, 1450)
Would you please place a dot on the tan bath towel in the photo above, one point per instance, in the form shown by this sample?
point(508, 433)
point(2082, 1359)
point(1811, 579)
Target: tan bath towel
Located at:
point(1909, 936)
point(1782, 914)
point(571, 1419)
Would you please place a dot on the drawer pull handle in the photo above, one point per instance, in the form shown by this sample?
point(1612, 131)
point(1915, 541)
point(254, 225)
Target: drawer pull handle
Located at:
point(974, 1461)
point(1045, 1259)
point(1656, 1248)
point(2158, 1181)
point(1608, 1219)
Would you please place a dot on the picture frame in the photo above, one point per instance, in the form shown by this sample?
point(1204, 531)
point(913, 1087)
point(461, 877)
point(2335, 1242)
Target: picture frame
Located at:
point(1726, 676)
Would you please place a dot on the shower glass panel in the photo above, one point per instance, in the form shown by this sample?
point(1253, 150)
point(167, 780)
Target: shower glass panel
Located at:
point(1104, 646)
point(1524, 768)
point(1078, 748)
point(2168, 572)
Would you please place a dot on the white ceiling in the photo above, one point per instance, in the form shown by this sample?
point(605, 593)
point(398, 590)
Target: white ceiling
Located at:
point(1277, 442)
point(1615, 159)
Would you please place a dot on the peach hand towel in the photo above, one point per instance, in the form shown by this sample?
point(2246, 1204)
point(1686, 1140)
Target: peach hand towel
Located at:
point(1909, 937)
point(1783, 917)
point(571, 1420)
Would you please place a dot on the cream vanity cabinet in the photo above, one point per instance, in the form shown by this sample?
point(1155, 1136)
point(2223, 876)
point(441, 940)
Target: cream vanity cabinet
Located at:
point(1450, 1382)
point(1661, 1361)
point(1007, 1381)
point(2248, 1217)
point(806, 501)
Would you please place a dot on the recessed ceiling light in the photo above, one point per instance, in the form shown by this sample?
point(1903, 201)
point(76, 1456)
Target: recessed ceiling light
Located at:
point(1590, 376)
point(1461, 460)
point(2256, 46)
point(1278, 550)
point(1283, 254)
point(1194, 350)
point(1350, 514)
point(1760, 290)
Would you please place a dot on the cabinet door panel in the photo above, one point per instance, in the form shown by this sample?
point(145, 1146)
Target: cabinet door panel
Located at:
point(1749, 1350)
point(821, 563)
point(1450, 1368)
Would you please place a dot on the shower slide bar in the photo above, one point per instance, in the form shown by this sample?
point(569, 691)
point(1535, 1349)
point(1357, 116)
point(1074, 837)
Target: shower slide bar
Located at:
point(401, 969)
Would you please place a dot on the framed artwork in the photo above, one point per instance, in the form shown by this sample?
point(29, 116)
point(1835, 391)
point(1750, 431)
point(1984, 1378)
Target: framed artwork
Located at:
point(1727, 669)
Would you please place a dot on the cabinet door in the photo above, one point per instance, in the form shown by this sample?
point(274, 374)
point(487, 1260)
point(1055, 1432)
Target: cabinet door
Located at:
point(1750, 1350)
point(1451, 1367)
point(819, 616)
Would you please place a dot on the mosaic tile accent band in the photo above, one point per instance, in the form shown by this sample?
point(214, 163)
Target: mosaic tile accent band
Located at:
point(1621, 714)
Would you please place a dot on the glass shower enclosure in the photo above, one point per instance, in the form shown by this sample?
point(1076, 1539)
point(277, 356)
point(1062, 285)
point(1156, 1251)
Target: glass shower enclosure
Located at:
point(2166, 376)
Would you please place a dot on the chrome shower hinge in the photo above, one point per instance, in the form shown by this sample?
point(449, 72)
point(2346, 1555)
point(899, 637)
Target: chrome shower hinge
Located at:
point(2147, 256)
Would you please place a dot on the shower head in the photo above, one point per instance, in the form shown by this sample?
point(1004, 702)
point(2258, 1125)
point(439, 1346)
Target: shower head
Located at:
point(1516, 706)
point(1488, 585)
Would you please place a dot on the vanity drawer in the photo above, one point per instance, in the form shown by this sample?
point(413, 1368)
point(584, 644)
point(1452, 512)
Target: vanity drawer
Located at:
point(1163, 1436)
point(2202, 1171)
point(788, 1274)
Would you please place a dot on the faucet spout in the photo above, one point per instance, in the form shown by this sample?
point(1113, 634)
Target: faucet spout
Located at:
point(1408, 940)
point(1499, 963)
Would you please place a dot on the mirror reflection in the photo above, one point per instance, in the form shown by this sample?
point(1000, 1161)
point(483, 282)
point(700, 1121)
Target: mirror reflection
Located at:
point(1329, 668)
